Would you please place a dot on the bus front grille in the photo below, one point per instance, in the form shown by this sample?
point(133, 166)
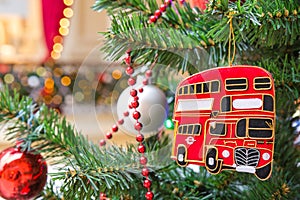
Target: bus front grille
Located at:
point(246, 157)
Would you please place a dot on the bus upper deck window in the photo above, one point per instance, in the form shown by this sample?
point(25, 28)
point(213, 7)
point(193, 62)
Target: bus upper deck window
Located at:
point(215, 86)
point(262, 83)
point(236, 84)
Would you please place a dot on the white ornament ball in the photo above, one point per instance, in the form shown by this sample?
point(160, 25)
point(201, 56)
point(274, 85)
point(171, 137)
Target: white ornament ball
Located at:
point(153, 107)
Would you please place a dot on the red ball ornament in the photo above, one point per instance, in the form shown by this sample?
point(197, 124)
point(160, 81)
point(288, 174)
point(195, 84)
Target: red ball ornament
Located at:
point(114, 128)
point(109, 135)
point(143, 160)
point(141, 148)
point(138, 126)
point(23, 175)
point(139, 137)
point(136, 115)
point(147, 183)
point(145, 171)
point(141, 90)
point(133, 92)
point(149, 195)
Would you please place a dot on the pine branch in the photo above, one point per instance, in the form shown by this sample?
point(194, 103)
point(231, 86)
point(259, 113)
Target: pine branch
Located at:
point(85, 169)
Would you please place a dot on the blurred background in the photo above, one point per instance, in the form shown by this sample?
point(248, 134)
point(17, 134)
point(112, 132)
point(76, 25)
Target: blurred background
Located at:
point(50, 50)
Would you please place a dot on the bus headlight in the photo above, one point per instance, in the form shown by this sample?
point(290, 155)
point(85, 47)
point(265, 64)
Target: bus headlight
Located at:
point(225, 154)
point(266, 156)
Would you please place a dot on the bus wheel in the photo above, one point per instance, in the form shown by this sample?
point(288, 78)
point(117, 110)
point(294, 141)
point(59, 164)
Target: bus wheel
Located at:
point(264, 172)
point(212, 163)
point(181, 155)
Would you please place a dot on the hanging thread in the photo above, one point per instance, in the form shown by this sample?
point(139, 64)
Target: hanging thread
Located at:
point(231, 39)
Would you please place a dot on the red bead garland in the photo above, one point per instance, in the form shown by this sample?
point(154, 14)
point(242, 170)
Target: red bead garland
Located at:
point(134, 104)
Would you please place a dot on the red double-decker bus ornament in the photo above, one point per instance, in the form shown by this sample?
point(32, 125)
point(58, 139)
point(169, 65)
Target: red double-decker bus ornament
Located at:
point(225, 120)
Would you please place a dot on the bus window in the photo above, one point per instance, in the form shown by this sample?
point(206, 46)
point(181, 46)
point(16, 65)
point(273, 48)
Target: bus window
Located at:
point(197, 129)
point(180, 129)
point(190, 129)
point(263, 83)
point(268, 103)
point(215, 86)
point(236, 84)
point(186, 89)
point(226, 104)
point(218, 129)
point(192, 90)
point(199, 88)
point(180, 92)
point(260, 128)
point(241, 128)
point(206, 87)
point(184, 129)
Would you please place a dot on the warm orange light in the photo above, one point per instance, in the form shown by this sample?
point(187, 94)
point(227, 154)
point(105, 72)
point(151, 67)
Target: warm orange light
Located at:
point(64, 22)
point(58, 39)
point(57, 47)
point(65, 81)
point(68, 12)
point(55, 55)
point(68, 2)
point(63, 31)
point(117, 74)
point(49, 83)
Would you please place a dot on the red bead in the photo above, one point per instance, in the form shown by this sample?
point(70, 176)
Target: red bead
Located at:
point(102, 143)
point(139, 137)
point(138, 126)
point(136, 98)
point(126, 114)
point(128, 51)
point(128, 60)
point(114, 128)
point(129, 70)
point(133, 92)
point(157, 13)
point(163, 8)
point(131, 81)
point(143, 160)
point(148, 73)
point(153, 19)
point(130, 106)
point(145, 171)
point(145, 81)
point(23, 174)
point(141, 148)
point(168, 2)
point(141, 90)
point(135, 104)
point(102, 196)
point(121, 121)
point(147, 183)
point(149, 195)
point(136, 115)
point(109, 135)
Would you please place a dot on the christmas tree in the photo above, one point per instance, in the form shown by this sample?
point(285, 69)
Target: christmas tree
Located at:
point(189, 40)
